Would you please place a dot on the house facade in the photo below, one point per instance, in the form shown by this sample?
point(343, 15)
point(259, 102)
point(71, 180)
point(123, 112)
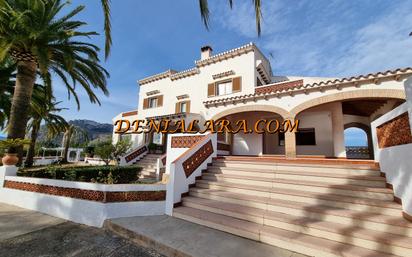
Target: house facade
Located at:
point(240, 84)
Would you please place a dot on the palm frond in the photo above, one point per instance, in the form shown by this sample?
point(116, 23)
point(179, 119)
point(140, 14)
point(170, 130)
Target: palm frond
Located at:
point(107, 26)
point(204, 12)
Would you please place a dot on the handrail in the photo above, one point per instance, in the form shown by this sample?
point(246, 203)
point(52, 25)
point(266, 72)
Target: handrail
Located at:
point(136, 153)
point(188, 150)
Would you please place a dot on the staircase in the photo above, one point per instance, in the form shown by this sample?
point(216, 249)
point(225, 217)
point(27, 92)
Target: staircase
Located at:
point(316, 209)
point(149, 164)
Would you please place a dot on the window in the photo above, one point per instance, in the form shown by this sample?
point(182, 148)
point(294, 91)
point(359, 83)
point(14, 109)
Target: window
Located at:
point(305, 136)
point(183, 107)
point(224, 88)
point(152, 102)
point(157, 138)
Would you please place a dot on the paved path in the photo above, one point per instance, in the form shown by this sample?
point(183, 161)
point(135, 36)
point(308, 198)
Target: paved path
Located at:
point(27, 233)
point(176, 237)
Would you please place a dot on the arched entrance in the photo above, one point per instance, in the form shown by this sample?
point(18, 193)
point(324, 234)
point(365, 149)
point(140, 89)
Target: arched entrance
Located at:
point(328, 116)
point(358, 141)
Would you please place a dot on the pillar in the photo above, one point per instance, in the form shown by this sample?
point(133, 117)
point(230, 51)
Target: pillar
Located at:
point(290, 144)
point(338, 130)
point(408, 91)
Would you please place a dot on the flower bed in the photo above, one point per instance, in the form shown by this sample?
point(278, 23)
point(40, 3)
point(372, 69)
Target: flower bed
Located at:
point(95, 174)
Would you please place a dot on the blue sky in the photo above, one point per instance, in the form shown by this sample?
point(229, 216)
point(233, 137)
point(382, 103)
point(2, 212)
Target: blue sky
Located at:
point(311, 38)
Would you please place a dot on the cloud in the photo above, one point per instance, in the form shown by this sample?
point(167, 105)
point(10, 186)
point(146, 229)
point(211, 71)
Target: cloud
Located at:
point(328, 38)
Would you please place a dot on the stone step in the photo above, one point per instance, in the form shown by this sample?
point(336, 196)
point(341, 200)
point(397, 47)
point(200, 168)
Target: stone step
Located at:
point(304, 168)
point(267, 177)
point(298, 242)
point(366, 220)
point(319, 161)
point(267, 182)
point(314, 187)
point(345, 233)
point(338, 201)
point(339, 172)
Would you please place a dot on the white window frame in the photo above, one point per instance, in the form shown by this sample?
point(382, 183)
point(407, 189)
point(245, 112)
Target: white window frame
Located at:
point(153, 102)
point(183, 104)
point(227, 89)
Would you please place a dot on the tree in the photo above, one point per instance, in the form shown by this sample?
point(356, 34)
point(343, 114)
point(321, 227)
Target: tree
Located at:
point(204, 14)
point(55, 124)
point(40, 39)
point(104, 150)
point(71, 130)
point(107, 151)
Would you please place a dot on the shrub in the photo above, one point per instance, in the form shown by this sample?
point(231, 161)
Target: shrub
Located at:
point(96, 174)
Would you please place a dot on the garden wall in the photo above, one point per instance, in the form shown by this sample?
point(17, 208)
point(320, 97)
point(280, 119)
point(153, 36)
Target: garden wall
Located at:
point(86, 203)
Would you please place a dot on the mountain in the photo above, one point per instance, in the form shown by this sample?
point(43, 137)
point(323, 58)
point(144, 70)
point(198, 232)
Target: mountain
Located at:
point(94, 130)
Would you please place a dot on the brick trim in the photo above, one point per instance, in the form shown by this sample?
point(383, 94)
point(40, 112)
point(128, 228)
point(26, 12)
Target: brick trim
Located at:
point(185, 141)
point(197, 158)
point(90, 195)
point(133, 155)
point(279, 87)
point(396, 131)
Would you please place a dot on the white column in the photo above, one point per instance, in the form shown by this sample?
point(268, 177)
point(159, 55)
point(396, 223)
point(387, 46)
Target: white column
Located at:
point(408, 90)
point(7, 170)
point(338, 130)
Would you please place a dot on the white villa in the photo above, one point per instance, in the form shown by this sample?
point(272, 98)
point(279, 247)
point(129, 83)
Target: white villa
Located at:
point(240, 84)
point(303, 190)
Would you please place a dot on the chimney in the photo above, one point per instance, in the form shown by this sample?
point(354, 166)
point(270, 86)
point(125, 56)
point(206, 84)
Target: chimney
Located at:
point(205, 52)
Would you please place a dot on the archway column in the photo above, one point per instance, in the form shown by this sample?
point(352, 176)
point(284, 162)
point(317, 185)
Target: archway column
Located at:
point(290, 144)
point(338, 130)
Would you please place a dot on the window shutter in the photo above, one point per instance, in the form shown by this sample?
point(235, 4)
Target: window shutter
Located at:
point(188, 106)
point(211, 89)
point(237, 84)
point(177, 107)
point(145, 103)
point(160, 100)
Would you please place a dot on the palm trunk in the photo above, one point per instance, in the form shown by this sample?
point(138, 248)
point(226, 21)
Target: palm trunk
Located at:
point(33, 138)
point(66, 143)
point(19, 112)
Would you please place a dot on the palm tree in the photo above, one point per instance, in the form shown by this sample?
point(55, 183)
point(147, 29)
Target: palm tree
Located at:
point(55, 124)
point(204, 14)
point(71, 131)
point(40, 39)
point(7, 74)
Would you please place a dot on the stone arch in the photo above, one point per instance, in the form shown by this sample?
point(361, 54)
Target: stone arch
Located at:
point(368, 132)
point(349, 95)
point(247, 108)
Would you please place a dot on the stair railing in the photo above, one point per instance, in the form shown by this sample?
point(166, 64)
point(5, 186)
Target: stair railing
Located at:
point(133, 155)
point(187, 156)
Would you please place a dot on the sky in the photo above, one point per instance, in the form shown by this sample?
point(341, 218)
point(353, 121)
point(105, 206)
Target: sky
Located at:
point(320, 38)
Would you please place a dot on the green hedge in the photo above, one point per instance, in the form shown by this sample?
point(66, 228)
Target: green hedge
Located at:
point(97, 174)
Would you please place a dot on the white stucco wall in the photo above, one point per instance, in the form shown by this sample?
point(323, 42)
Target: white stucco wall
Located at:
point(321, 121)
point(396, 161)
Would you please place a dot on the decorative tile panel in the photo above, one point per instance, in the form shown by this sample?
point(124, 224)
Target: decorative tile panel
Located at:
point(90, 195)
point(135, 154)
point(197, 158)
point(185, 142)
point(395, 132)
